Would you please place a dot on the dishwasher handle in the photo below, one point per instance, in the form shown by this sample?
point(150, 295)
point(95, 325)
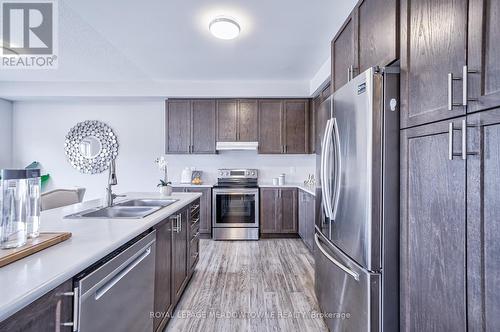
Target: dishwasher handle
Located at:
point(113, 281)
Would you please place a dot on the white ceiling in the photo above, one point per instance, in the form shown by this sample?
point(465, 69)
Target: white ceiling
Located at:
point(164, 47)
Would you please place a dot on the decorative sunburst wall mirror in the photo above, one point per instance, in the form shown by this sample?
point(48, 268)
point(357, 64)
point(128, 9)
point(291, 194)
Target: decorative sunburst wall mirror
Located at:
point(90, 146)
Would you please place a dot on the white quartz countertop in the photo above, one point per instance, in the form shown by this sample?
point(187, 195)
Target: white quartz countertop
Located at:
point(26, 280)
point(307, 189)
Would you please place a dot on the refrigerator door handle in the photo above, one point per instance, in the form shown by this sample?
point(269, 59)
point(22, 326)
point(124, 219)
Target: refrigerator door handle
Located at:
point(334, 261)
point(322, 168)
point(338, 168)
point(325, 185)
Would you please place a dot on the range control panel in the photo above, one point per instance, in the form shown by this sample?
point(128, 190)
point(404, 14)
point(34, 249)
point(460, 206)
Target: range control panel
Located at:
point(241, 173)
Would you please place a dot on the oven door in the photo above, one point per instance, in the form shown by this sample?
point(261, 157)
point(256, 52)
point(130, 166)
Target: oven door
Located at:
point(235, 208)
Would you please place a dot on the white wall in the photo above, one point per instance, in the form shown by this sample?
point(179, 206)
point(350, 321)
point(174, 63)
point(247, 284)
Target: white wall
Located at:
point(296, 167)
point(323, 74)
point(39, 129)
point(5, 133)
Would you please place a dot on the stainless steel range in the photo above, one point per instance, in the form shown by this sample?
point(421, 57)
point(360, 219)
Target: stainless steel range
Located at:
point(236, 205)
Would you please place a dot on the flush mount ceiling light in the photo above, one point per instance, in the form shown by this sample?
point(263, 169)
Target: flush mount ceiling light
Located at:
point(224, 27)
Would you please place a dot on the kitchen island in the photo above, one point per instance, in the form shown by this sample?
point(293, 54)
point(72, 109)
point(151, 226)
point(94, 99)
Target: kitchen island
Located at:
point(27, 280)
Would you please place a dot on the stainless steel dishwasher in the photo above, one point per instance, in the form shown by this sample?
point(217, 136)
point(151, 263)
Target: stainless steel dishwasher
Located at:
point(117, 293)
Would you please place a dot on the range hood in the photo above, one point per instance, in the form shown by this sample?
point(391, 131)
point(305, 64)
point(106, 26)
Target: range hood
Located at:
point(227, 146)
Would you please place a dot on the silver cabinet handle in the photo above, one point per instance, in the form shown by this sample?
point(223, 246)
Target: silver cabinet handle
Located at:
point(451, 104)
point(334, 261)
point(451, 152)
point(450, 141)
point(464, 139)
point(465, 73)
point(179, 223)
point(348, 73)
point(177, 227)
point(76, 302)
point(108, 285)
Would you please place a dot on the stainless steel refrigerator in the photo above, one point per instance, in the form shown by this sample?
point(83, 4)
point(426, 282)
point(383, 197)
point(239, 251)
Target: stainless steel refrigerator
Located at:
point(357, 205)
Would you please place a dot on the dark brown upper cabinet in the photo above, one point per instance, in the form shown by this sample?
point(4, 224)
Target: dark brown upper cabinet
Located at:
point(248, 120)
point(227, 120)
point(433, 55)
point(237, 120)
point(344, 53)
point(178, 126)
point(270, 126)
point(483, 71)
point(296, 126)
point(369, 37)
point(378, 42)
point(190, 126)
point(203, 126)
point(284, 126)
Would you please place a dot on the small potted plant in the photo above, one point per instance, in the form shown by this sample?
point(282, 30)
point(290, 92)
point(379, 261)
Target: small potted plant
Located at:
point(164, 185)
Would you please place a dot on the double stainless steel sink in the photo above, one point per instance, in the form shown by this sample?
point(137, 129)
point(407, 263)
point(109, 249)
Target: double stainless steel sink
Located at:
point(130, 209)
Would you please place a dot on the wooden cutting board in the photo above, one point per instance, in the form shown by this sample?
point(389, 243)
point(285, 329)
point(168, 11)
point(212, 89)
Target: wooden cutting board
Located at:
point(32, 246)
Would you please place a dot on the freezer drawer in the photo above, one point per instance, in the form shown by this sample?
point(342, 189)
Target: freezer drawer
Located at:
point(348, 295)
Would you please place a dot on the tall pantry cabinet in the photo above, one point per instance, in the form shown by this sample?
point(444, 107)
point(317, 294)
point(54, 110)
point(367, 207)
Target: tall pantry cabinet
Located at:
point(450, 165)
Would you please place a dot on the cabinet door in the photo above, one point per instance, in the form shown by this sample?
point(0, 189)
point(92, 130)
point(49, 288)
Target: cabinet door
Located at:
point(432, 266)
point(203, 124)
point(344, 53)
point(248, 121)
point(296, 126)
point(270, 126)
point(288, 210)
point(378, 33)
point(302, 215)
point(227, 120)
point(205, 209)
point(178, 126)
point(163, 270)
point(483, 226)
point(269, 222)
point(483, 55)
point(179, 255)
point(46, 314)
point(433, 44)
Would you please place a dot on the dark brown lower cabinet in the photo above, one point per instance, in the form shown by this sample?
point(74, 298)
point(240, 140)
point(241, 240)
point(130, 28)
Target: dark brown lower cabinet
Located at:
point(163, 277)
point(483, 221)
point(278, 211)
point(47, 314)
point(179, 253)
point(307, 213)
point(205, 208)
point(173, 264)
point(433, 229)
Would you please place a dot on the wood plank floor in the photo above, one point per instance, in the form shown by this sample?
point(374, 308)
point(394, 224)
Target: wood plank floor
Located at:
point(266, 285)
